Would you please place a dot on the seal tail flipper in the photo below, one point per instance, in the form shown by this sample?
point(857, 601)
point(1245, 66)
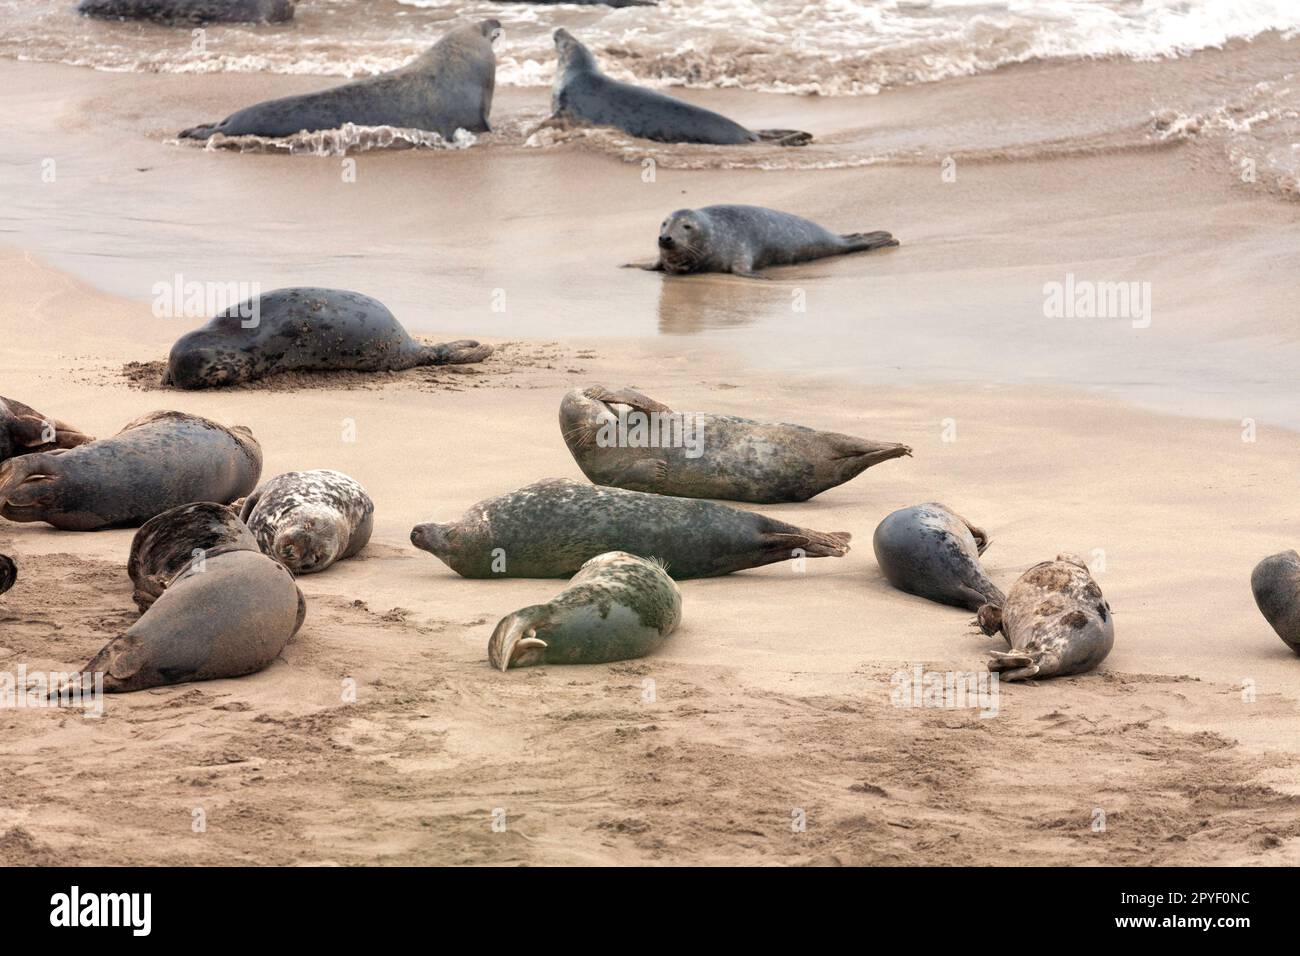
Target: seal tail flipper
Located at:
point(813, 544)
point(784, 137)
point(460, 352)
point(204, 131)
point(17, 470)
point(1012, 665)
point(856, 455)
point(865, 241)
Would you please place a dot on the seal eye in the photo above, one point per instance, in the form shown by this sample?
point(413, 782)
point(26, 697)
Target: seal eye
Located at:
point(496, 34)
point(687, 226)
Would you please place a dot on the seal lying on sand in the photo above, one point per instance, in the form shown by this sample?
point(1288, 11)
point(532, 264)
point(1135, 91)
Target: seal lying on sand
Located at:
point(645, 446)
point(1276, 585)
point(1055, 620)
point(447, 88)
point(931, 551)
point(25, 431)
point(292, 330)
point(551, 528)
point(168, 545)
point(307, 520)
point(158, 462)
point(584, 96)
point(616, 608)
point(8, 573)
point(190, 11)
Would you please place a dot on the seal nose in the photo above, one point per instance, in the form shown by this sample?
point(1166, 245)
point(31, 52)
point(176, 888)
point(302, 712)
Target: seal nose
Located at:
point(665, 242)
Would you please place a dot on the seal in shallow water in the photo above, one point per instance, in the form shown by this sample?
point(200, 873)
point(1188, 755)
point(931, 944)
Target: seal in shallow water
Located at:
point(551, 528)
point(307, 520)
point(190, 11)
point(931, 551)
point(171, 543)
point(617, 607)
point(628, 440)
point(298, 329)
point(1275, 583)
point(25, 431)
point(447, 88)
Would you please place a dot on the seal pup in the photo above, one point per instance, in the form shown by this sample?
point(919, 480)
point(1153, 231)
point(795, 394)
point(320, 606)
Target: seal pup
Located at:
point(154, 464)
point(190, 11)
point(25, 431)
point(307, 520)
point(297, 329)
point(933, 552)
point(584, 96)
point(617, 607)
point(628, 440)
point(1275, 583)
point(1054, 619)
point(552, 527)
point(167, 545)
point(8, 573)
point(449, 87)
point(743, 239)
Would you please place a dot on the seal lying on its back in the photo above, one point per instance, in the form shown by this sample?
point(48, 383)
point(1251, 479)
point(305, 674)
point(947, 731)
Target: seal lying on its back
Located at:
point(292, 330)
point(8, 573)
point(707, 456)
point(551, 528)
point(158, 462)
point(25, 431)
point(307, 520)
point(190, 11)
point(1276, 585)
point(445, 89)
point(1055, 620)
point(616, 608)
point(931, 551)
point(167, 546)
point(582, 95)
point(743, 239)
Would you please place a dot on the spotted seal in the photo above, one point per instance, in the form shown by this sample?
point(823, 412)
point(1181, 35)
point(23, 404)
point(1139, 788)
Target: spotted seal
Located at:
point(25, 431)
point(628, 440)
point(1054, 619)
point(307, 520)
point(1275, 583)
point(8, 573)
point(551, 528)
point(617, 607)
point(931, 551)
point(190, 11)
point(168, 544)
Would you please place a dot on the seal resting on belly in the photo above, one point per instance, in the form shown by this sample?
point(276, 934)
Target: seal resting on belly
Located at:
point(190, 11)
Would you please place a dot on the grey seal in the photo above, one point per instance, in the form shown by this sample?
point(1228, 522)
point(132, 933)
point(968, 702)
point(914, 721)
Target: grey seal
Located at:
point(307, 520)
point(584, 96)
point(8, 573)
point(1275, 583)
point(617, 607)
point(551, 528)
point(297, 329)
point(169, 544)
point(1054, 619)
point(447, 88)
point(627, 440)
point(190, 11)
point(931, 551)
point(25, 431)
point(156, 463)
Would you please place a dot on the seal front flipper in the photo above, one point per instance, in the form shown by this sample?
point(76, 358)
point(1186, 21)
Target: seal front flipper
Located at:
point(646, 475)
point(784, 137)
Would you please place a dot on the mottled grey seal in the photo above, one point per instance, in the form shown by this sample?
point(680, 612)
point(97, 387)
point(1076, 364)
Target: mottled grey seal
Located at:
point(628, 440)
point(8, 573)
point(307, 520)
point(617, 607)
point(449, 87)
point(584, 96)
point(298, 329)
point(25, 431)
point(190, 11)
point(551, 528)
point(158, 462)
point(931, 551)
point(743, 239)
point(1276, 585)
point(167, 545)
point(1055, 620)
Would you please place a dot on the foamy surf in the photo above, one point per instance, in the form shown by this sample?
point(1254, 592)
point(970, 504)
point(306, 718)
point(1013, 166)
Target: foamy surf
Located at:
point(349, 138)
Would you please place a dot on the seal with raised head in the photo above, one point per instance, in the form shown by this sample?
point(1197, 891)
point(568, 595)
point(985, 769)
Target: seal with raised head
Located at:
point(25, 431)
point(1275, 583)
point(449, 87)
point(1054, 619)
point(617, 607)
point(307, 520)
point(167, 545)
point(933, 552)
point(584, 96)
point(154, 464)
point(190, 11)
point(304, 329)
point(627, 440)
point(551, 528)
point(8, 573)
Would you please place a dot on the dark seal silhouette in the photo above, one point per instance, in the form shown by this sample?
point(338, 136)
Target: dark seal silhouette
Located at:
point(190, 11)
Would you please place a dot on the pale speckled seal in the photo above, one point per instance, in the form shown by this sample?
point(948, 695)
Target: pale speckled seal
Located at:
point(158, 462)
point(447, 88)
point(1055, 620)
point(304, 329)
point(628, 440)
point(584, 96)
point(743, 239)
point(8, 573)
point(190, 11)
point(551, 528)
point(167, 545)
point(931, 551)
point(617, 607)
point(1275, 583)
point(25, 431)
point(307, 520)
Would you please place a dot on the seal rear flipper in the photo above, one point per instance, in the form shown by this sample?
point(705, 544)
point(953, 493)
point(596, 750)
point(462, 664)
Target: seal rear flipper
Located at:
point(864, 241)
point(204, 131)
point(1012, 665)
point(784, 137)
point(15, 471)
point(814, 544)
point(460, 352)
